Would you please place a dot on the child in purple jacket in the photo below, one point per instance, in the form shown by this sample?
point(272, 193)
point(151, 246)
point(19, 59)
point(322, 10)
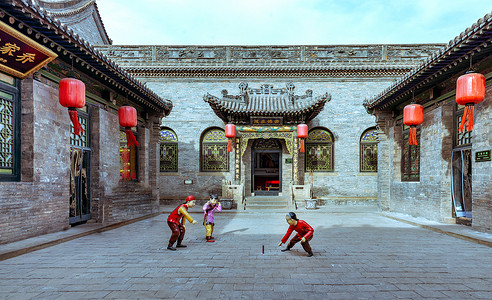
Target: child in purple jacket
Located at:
point(208, 220)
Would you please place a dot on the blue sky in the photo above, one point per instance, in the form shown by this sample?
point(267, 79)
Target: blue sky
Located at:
point(287, 22)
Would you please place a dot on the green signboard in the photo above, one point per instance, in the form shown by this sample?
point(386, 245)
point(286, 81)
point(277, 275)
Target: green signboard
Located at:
point(482, 155)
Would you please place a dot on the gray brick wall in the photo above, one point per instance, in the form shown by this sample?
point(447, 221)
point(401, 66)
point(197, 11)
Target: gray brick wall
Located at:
point(344, 116)
point(39, 203)
point(431, 197)
point(482, 171)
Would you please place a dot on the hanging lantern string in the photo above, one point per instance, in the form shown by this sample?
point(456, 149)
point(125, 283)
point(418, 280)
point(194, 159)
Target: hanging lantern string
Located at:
point(412, 139)
point(131, 140)
point(77, 127)
point(229, 145)
point(467, 118)
point(469, 112)
point(302, 145)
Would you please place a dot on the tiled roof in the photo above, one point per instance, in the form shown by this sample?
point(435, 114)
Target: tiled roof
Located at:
point(267, 102)
point(34, 22)
point(61, 10)
point(452, 59)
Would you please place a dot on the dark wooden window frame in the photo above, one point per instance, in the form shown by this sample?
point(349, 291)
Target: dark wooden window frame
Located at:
point(406, 161)
point(174, 146)
point(361, 153)
point(14, 90)
point(332, 148)
point(460, 139)
point(218, 144)
point(122, 129)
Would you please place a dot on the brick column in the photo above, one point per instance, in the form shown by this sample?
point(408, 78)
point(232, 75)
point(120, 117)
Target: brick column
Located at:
point(384, 122)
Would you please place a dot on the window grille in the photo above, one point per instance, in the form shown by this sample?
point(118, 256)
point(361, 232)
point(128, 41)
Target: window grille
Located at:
point(168, 151)
point(369, 151)
point(464, 138)
point(80, 140)
point(214, 155)
point(319, 151)
point(410, 162)
point(9, 129)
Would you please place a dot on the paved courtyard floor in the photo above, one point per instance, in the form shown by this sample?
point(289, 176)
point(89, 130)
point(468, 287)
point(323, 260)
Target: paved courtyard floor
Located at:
point(357, 255)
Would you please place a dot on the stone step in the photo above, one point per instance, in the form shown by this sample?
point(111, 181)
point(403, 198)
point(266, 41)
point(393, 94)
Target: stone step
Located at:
point(266, 207)
point(264, 202)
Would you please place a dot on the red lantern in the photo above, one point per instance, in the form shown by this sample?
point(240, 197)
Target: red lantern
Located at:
point(413, 115)
point(128, 118)
point(302, 133)
point(230, 133)
point(71, 94)
point(470, 90)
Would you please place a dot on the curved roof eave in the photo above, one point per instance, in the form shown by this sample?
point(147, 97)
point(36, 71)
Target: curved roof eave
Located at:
point(62, 40)
point(469, 42)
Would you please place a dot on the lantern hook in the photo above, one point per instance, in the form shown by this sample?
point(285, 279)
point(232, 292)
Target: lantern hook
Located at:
point(470, 69)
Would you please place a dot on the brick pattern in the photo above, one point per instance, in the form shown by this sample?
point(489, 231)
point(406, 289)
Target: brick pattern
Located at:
point(431, 197)
point(344, 116)
point(482, 171)
point(39, 203)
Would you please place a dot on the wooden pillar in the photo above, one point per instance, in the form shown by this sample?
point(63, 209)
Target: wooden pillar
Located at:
point(295, 159)
point(237, 161)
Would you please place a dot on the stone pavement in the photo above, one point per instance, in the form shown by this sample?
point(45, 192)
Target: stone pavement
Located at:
point(358, 254)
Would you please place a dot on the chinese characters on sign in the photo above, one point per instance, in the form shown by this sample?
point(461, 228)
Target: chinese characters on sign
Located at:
point(19, 55)
point(272, 121)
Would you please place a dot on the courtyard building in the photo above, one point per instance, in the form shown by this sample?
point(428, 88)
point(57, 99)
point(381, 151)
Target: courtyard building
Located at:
point(51, 177)
point(266, 91)
point(350, 97)
point(448, 175)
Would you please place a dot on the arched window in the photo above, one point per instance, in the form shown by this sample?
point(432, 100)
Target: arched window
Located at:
point(369, 151)
point(214, 155)
point(168, 151)
point(319, 151)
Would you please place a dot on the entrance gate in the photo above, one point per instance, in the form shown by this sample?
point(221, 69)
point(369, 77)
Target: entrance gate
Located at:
point(80, 155)
point(266, 167)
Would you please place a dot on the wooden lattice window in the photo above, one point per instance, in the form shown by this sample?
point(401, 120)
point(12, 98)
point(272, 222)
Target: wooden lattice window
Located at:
point(319, 151)
point(168, 151)
point(464, 138)
point(410, 161)
point(369, 151)
point(128, 159)
point(80, 140)
point(9, 129)
point(214, 155)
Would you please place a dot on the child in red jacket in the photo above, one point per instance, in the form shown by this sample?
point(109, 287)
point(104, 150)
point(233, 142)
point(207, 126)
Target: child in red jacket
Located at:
point(304, 233)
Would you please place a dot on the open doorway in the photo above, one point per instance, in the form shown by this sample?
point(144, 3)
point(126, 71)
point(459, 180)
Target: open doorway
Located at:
point(266, 167)
point(462, 183)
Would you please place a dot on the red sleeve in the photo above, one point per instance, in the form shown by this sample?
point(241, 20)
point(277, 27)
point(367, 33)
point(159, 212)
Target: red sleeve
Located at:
point(289, 231)
point(309, 229)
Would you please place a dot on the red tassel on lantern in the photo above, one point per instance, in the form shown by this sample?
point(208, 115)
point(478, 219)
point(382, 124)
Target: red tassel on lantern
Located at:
point(302, 133)
point(71, 94)
point(470, 90)
point(127, 116)
point(230, 133)
point(413, 115)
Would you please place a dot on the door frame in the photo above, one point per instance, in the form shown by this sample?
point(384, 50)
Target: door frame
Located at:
point(467, 207)
point(253, 164)
point(79, 216)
